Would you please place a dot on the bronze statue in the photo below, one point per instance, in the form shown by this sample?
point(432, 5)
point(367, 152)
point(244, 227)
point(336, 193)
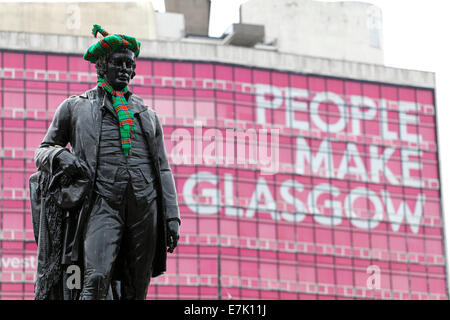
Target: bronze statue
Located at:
point(109, 206)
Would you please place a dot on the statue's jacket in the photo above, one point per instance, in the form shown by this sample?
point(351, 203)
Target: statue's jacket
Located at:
point(78, 121)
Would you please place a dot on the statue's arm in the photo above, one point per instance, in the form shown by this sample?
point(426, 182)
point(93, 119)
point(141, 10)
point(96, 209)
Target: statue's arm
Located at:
point(167, 180)
point(56, 138)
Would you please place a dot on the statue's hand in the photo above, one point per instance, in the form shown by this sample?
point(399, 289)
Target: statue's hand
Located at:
point(173, 234)
point(69, 164)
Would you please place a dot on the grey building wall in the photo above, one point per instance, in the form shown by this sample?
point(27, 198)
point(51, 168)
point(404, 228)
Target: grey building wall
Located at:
point(196, 13)
point(338, 30)
point(214, 51)
point(76, 18)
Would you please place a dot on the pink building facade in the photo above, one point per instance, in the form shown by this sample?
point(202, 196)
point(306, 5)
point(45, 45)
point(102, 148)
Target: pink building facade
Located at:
point(291, 185)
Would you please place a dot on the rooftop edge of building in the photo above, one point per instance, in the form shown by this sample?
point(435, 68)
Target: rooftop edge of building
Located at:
point(213, 50)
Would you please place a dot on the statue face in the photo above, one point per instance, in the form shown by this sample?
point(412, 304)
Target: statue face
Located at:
point(120, 68)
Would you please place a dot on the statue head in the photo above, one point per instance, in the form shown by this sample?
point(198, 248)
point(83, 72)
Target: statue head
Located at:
point(117, 67)
point(114, 57)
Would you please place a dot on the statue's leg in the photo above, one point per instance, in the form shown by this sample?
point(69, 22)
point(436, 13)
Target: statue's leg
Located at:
point(102, 241)
point(140, 241)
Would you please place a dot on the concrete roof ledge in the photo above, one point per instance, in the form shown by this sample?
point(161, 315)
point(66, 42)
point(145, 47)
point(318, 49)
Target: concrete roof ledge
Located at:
point(214, 52)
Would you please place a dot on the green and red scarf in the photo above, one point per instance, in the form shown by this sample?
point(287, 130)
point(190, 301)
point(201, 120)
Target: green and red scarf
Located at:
point(125, 115)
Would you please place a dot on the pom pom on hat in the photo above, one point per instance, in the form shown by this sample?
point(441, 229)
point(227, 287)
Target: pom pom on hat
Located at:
point(97, 28)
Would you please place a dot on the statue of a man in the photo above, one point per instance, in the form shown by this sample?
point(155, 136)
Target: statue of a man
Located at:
point(130, 217)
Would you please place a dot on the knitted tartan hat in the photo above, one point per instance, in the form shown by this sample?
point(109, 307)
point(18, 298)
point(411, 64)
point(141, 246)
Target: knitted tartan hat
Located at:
point(110, 43)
